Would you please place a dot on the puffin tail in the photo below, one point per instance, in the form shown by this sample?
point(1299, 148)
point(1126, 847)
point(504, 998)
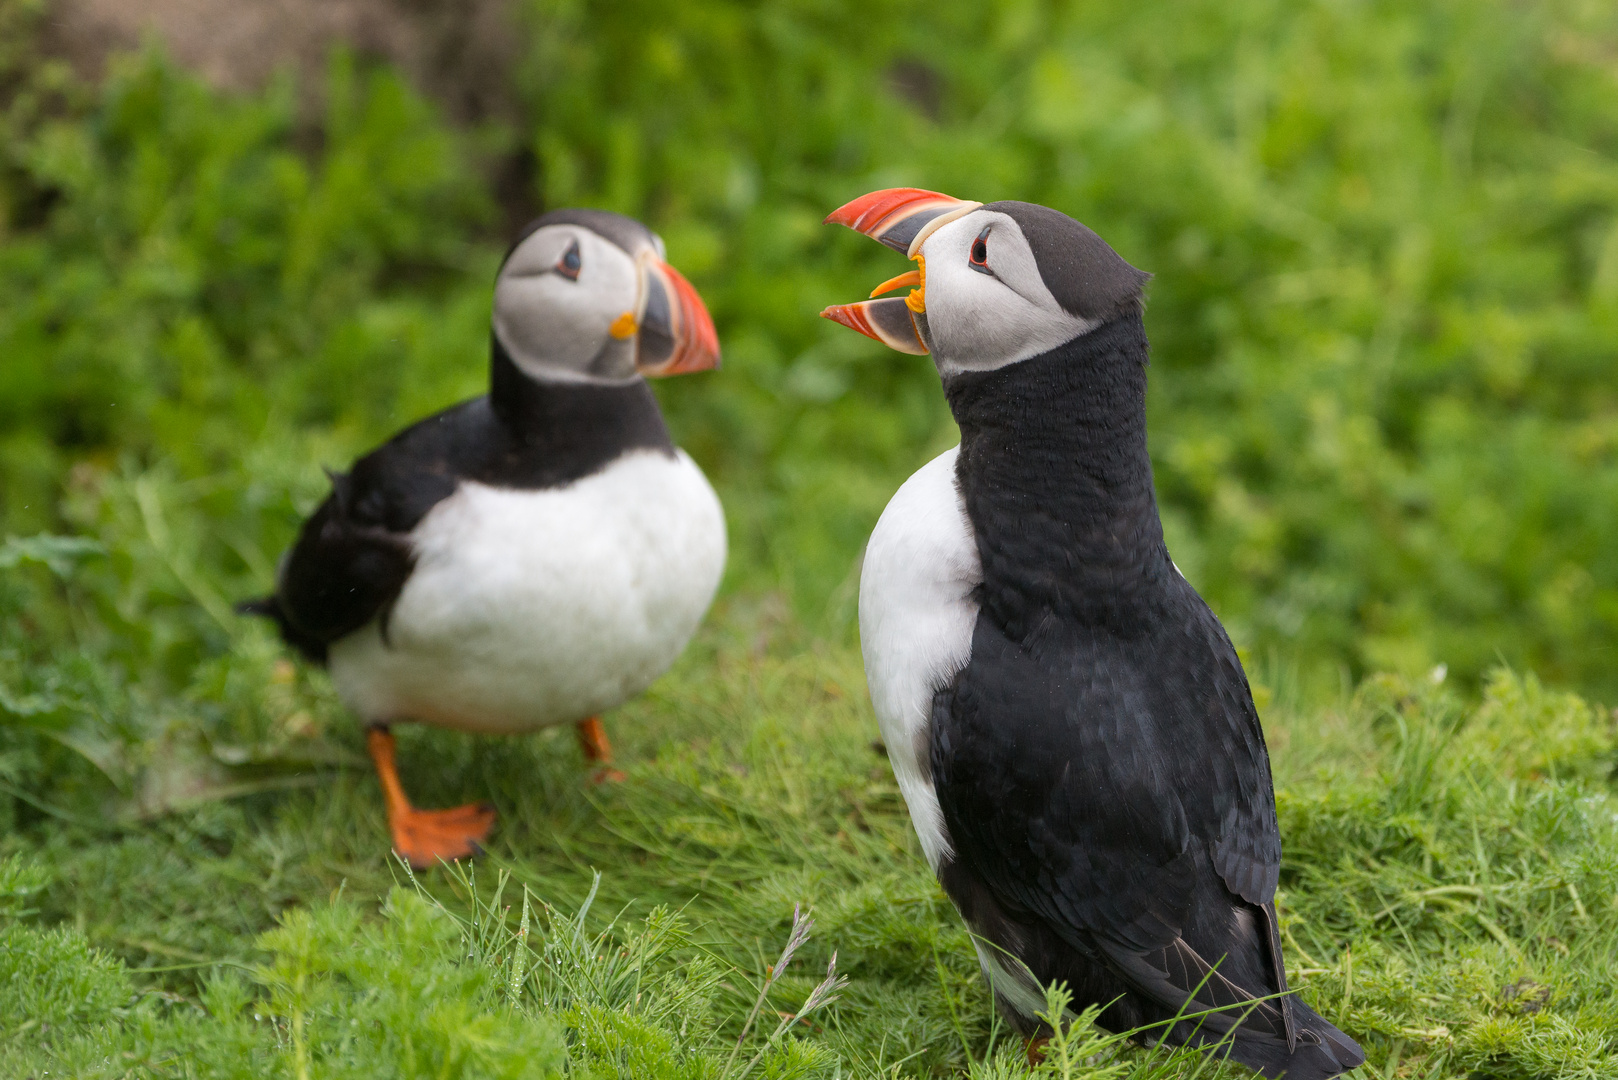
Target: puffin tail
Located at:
point(269, 607)
point(1321, 1050)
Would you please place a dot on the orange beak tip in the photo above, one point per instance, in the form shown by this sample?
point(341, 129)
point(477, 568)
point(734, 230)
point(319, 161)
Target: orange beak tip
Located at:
point(697, 341)
point(874, 207)
point(895, 217)
point(888, 321)
point(851, 316)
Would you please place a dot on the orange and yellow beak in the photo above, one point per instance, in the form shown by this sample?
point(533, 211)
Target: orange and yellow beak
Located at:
point(674, 333)
point(901, 218)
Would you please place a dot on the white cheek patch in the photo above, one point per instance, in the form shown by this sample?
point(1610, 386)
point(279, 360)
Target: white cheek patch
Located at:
point(979, 322)
point(554, 327)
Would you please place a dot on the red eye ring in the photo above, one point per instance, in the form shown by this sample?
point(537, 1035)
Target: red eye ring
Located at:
point(978, 258)
point(570, 263)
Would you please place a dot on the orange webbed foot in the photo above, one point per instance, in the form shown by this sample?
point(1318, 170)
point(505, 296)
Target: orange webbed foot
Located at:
point(425, 837)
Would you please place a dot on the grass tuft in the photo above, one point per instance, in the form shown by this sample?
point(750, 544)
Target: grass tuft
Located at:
point(1449, 897)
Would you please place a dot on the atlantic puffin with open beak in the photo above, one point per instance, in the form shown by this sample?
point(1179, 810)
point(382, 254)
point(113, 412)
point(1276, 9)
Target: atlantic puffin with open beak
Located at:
point(1068, 721)
point(528, 558)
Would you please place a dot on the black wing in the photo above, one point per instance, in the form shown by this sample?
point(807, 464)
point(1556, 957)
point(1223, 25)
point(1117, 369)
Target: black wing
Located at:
point(1119, 792)
point(353, 555)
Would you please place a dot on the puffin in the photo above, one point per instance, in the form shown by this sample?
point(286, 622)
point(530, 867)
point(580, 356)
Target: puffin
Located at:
point(532, 557)
point(1068, 722)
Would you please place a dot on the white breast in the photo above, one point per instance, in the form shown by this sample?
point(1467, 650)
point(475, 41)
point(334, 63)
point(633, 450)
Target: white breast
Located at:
point(916, 619)
point(532, 608)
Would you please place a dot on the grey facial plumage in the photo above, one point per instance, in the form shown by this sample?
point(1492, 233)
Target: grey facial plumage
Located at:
point(566, 286)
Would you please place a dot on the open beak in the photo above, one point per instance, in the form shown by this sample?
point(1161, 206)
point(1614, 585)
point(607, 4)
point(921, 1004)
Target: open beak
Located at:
point(901, 218)
point(675, 333)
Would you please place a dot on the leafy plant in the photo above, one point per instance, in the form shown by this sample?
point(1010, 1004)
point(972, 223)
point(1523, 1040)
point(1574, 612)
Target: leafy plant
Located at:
point(1382, 235)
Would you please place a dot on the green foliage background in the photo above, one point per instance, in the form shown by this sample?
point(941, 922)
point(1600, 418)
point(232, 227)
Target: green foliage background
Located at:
point(1384, 421)
point(1385, 238)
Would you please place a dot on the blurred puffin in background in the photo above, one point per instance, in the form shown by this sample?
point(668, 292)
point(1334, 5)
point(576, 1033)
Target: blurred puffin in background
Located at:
point(1070, 726)
point(531, 557)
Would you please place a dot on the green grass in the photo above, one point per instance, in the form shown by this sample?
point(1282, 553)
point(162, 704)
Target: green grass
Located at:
point(1450, 896)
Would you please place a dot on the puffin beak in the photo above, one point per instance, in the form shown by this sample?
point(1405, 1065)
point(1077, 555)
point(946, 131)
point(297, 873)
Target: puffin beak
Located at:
point(901, 218)
point(675, 333)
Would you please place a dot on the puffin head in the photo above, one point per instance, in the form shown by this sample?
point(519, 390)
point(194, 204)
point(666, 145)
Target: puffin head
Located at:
point(586, 296)
point(996, 283)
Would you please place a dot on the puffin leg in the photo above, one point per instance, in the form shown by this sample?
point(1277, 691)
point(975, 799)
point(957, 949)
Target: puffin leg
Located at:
point(425, 836)
point(593, 741)
point(1036, 1050)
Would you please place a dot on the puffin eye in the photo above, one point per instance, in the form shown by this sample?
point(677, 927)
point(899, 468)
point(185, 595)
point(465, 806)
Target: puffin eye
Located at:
point(570, 263)
point(979, 259)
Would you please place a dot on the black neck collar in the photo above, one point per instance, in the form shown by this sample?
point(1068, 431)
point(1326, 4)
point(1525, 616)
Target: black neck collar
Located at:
point(586, 422)
point(1057, 482)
